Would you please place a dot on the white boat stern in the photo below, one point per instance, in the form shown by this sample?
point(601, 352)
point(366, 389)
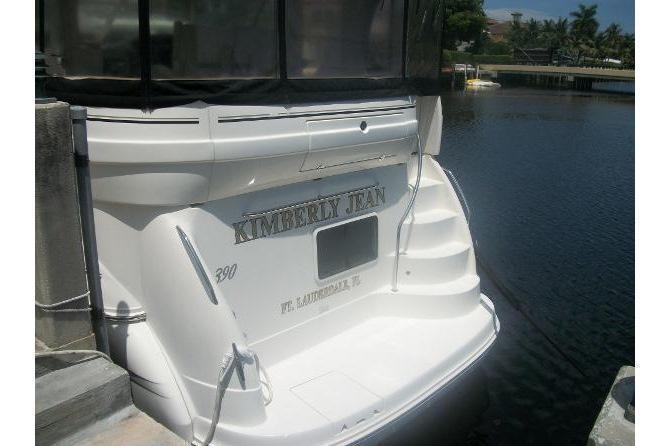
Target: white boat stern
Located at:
point(350, 385)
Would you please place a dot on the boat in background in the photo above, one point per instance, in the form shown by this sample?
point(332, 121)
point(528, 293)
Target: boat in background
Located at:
point(481, 83)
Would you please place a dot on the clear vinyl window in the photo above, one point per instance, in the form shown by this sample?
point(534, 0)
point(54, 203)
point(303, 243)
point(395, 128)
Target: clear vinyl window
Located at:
point(345, 246)
point(213, 39)
point(344, 38)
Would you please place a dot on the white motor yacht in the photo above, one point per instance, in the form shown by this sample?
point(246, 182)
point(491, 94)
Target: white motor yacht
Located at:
point(283, 260)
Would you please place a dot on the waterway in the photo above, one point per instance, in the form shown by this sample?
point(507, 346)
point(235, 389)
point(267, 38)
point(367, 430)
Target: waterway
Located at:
point(549, 176)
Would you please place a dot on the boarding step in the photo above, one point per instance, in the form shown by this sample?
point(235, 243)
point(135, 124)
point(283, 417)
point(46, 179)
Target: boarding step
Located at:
point(464, 284)
point(422, 229)
point(89, 403)
point(432, 194)
point(447, 299)
point(442, 263)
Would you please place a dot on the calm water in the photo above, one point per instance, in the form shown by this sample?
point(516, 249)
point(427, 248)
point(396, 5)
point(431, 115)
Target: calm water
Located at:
point(549, 176)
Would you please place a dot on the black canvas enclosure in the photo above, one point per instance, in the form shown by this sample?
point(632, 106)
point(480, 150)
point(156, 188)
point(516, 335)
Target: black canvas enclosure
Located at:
point(158, 53)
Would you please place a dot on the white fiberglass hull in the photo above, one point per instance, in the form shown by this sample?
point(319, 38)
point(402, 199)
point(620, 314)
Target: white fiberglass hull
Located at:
point(200, 253)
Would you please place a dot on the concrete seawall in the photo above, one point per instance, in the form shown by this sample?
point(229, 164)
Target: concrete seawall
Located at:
point(59, 259)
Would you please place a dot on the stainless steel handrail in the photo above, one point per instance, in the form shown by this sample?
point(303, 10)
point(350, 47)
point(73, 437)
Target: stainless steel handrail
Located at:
point(197, 264)
point(410, 205)
point(129, 319)
point(459, 192)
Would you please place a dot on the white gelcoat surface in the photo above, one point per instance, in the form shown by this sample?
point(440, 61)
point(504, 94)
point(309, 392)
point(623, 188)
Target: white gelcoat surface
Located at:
point(341, 366)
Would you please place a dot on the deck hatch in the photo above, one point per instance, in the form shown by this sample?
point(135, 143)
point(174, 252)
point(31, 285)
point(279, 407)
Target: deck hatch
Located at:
point(346, 246)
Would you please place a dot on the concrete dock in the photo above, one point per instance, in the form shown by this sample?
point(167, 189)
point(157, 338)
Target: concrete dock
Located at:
point(615, 425)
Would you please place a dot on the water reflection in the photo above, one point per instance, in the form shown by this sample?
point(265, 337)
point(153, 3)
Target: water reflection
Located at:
point(450, 419)
point(549, 176)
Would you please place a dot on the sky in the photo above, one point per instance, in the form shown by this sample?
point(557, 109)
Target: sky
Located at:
point(609, 11)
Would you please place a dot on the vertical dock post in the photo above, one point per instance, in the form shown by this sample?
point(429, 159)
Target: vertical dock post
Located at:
point(79, 137)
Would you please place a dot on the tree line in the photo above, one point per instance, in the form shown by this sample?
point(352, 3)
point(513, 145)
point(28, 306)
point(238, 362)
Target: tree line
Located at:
point(577, 38)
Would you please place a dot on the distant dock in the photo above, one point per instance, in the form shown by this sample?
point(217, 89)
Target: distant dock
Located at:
point(551, 70)
point(546, 76)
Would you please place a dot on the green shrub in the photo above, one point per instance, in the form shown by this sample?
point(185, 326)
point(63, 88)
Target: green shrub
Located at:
point(450, 57)
point(500, 59)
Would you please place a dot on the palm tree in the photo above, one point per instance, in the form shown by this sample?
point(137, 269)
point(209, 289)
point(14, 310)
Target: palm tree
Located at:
point(561, 32)
point(555, 34)
point(628, 50)
point(583, 29)
point(548, 26)
point(601, 48)
point(584, 23)
point(609, 43)
point(613, 36)
point(532, 32)
point(614, 31)
point(548, 33)
point(517, 35)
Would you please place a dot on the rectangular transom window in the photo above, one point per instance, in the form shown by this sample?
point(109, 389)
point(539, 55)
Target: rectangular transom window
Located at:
point(345, 246)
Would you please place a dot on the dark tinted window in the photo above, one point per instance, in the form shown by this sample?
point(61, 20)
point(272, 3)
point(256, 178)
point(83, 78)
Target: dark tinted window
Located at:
point(92, 38)
point(38, 26)
point(424, 38)
point(344, 38)
point(346, 246)
point(201, 39)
